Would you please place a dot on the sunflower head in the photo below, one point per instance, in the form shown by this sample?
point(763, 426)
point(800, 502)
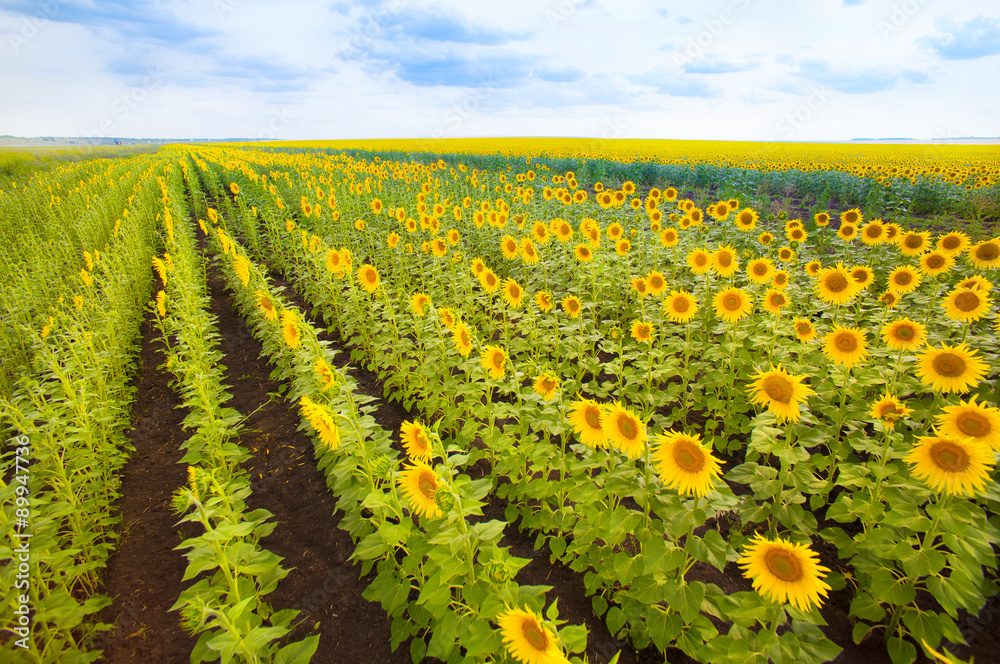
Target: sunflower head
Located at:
point(625, 430)
point(527, 639)
point(904, 334)
point(494, 361)
point(846, 345)
point(587, 419)
point(685, 464)
point(805, 330)
point(783, 571)
point(969, 419)
point(780, 391)
point(889, 409)
point(416, 441)
point(368, 278)
point(966, 304)
point(951, 368)
point(545, 385)
point(571, 305)
point(420, 485)
point(732, 304)
point(951, 464)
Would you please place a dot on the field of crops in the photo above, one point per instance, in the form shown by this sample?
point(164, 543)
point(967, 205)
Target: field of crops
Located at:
point(528, 403)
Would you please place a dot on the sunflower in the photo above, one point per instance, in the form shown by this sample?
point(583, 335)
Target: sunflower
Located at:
point(732, 304)
point(889, 409)
point(775, 301)
point(420, 484)
point(562, 230)
point(780, 280)
point(985, 255)
point(783, 571)
point(528, 252)
point(966, 304)
point(418, 303)
point(642, 331)
point(571, 305)
point(266, 306)
point(545, 385)
point(624, 430)
point(813, 268)
point(540, 232)
point(845, 345)
point(786, 254)
point(951, 368)
point(680, 306)
point(780, 392)
point(489, 281)
point(446, 317)
point(393, 240)
point(904, 279)
point(746, 220)
point(416, 442)
point(835, 285)
point(587, 419)
point(477, 266)
point(527, 639)
point(822, 219)
point(760, 270)
point(863, 276)
point(699, 260)
point(954, 243)
point(669, 237)
point(657, 283)
point(889, 299)
point(623, 246)
point(847, 232)
point(368, 278)
point(955, 465)
point(439, 247)
point(509, 247)
point(684, 463)
point(972, 420)
point(290, 329)
point(913, 243)
point(640, 286)
point(462, 337)
point(544, 301)
point(513, 294)
point(936, 262)
point(161, 304)
point(805, 330)
point(765, 238)
point(873, 232)
point(977, 282)
point(851, 216)
point(321, 421)
point(796, 234)
point(725, 262)
point(494, 360)
point(905, 334)
point(583, 253)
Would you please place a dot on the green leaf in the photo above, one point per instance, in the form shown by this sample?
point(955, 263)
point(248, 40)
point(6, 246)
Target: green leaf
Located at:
point(418, 650)
point(866, 607)
point(901, 651)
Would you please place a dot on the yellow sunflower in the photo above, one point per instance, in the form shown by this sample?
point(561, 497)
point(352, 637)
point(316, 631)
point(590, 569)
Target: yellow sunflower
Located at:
point(447, 317)
point(290, 329)
point(680, 306)
point(951, 368)
point(954, 465)
point(765, 238)
point(780, 280)
point(780, 391)
point(419, 484)
point(783, 571)
point(889, 409)
point(583, 253)
point(732, 304)
point(321, 421)
point(161, 304)
point(822, 219)
point(847, 232)
point(571, 305)
point(623, 246)
point(699, 260)
point(786, 254)
point(640, 286)
point(368, 278)
point(903, 279)
point(509, 247)
point(985, 255)
point(834, 285)
point(845, 346)
point(725, 262)
point(913, 243)
point(873, 232)
point(971, 420)
point(775, 301)
point(545, 385)
point(954, 243)
point(746, 220)
point(684, 463)
point(813, 268)
point(760, 270)
point(935, 263)
point(624, 430)
point(494, 360)
point(419, 303)
point(642, 331)
point(489, 281)
point(805, 330)
point(851, 216)
point(544, 301)
point(513, 294)
point(587, 420)
point(657, 283)
point(863, 276)
point(416, 442)
point(462, 338)
point(527, 639)
point(266, 306)
point(966, 304)
point(905, 334)
point(669, 237)
point(528, 252)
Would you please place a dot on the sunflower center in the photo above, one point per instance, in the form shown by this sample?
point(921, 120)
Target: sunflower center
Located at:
point(266, 303)
point(498, 360)
point(627, 427)
point(873, 231)
point(803, 328)
point(783, 564)
point(688, 456)
point(949, 365)
point(913, 241)
point(973, 425)
point(746, 218)
point(593, 417)
point(656, 282)
point(535, 635)
point(778, 388)
point(950, 242)
point(732, 302)
point(427, 485)
point(836, 283)
point(846, 343)
point(905, 333)
point(903, 278)
point(935, 262)
point(967, 301)
point(681, 305)
point(466, 341)
point(725, 260)
point(989, 251)
point(777, 300)
point(760, 269)
point(700, 260)
point(949, 457)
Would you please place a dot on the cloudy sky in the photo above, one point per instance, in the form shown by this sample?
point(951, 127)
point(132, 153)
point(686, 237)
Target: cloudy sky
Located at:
point(315, 69)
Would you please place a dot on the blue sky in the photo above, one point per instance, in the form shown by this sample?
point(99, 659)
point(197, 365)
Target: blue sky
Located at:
point(310, 69)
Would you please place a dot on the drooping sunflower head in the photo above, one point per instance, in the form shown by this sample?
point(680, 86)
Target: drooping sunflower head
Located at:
point(290, 329)
point(266, 306)
point(783, 571)
point(419, 484)
point(685, 464)
point(416, 442)
point(846, 346)
point(419, 302)
point(528, 252)
point(321, 421)
point(447, 317)
point(951, 368)
point(953, 465)
point(462, 337)
point(324, 374)
point(680, 306)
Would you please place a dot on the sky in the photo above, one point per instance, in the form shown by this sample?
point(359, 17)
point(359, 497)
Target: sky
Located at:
point(757, 70)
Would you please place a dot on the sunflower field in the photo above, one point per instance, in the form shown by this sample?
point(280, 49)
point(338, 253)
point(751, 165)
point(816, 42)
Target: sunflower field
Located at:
point(744, 397)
